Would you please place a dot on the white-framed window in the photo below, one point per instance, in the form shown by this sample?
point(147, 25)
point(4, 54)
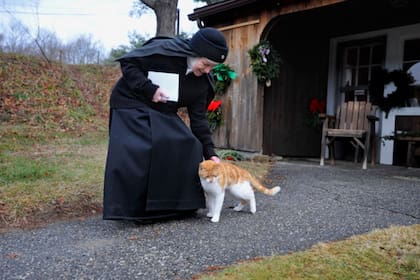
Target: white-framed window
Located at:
point(411, 53)
point(356, 62)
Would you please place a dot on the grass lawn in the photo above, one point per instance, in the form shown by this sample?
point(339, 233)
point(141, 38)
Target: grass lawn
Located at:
point(46, 176)
point(392, 253)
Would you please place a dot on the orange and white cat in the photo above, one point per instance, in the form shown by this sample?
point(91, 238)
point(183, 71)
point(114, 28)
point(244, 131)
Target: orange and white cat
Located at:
point(216, 178)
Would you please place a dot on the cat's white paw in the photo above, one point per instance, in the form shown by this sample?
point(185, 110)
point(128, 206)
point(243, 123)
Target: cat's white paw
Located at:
point(215, 220)
point(238, 207)
point(275, 190)
point(209, 215)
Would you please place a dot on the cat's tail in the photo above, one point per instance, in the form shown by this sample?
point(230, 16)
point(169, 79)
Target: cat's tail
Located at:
point(257, 185)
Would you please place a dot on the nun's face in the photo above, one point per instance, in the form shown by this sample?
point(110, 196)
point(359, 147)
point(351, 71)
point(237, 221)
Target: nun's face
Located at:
point(202, 66)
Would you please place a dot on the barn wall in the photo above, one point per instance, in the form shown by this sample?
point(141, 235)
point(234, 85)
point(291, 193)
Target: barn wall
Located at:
point(242, 104)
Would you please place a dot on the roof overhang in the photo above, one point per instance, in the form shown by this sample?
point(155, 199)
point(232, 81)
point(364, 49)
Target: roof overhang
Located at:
point(226, 9)
point(219, 7)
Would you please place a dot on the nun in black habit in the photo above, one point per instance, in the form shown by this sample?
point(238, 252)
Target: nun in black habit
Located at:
point(152, 162)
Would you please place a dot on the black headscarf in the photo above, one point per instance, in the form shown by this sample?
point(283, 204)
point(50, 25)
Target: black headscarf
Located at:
point(170, 46)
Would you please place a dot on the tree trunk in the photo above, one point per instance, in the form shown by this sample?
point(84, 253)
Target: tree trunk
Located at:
point(165, 11)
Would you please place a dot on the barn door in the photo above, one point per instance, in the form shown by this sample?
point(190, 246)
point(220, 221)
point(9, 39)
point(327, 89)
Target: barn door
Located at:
point(303, 76)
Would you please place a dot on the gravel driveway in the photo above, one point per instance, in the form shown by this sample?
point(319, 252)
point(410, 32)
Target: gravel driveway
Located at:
point(315, 204)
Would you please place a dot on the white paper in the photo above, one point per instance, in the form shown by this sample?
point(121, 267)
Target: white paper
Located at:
point(168, 82)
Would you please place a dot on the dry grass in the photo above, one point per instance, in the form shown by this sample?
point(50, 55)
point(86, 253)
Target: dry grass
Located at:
point(258, 169)
point(392, 253)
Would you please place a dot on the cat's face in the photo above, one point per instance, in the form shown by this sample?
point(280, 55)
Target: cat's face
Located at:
point(208, 170)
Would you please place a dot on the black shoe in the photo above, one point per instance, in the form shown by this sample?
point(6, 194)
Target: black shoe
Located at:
point(187, 213)
point(144, 222)
point(164, 216)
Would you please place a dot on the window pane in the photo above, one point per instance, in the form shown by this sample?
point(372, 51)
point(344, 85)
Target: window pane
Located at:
point(363, 76)
point(378, 54)
point(353, 77)
point(374, 71)
point(347, 76)
point(412, 50)
point(364, 55)
point(352, 56)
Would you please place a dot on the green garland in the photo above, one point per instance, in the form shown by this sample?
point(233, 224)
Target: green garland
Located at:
point(265, 62)
point(230, 155)
point(397, 98)
point(223, 75)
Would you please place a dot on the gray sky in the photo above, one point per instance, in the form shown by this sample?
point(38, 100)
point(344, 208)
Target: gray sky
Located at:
point(108, 21)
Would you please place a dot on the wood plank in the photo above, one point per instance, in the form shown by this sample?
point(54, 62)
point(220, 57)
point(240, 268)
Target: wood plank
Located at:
point(237, 25)
point(346, 133)
point(355, 116)
point(368, 111)
point(341, 120)
point(360, 124)
point(349, 115)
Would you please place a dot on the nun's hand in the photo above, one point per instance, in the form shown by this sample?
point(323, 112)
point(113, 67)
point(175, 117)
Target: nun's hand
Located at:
point(159, 96)
point(215, 159)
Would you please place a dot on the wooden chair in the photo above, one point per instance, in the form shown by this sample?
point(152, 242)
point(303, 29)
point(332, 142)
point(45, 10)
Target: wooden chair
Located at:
point(354, 121)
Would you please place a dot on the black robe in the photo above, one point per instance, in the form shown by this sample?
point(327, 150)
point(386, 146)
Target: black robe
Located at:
point(153, 157)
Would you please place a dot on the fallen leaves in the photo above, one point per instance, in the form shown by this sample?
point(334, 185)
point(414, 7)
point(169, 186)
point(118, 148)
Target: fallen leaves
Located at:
point(59, 96)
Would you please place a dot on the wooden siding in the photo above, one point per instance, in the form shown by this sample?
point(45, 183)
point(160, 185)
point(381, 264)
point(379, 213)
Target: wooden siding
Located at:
point(242, 104)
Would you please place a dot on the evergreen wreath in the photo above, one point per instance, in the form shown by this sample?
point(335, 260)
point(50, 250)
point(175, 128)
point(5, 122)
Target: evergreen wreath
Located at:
point(397, 98)
point(265, 62)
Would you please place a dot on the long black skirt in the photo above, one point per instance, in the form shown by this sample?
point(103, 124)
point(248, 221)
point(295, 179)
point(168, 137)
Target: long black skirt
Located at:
point(152, 166)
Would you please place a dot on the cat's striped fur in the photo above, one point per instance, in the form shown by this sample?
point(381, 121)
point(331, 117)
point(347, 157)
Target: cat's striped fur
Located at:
point(216, 178)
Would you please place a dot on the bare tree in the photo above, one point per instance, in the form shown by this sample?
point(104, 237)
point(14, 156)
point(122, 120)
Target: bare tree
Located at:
point(50, 44)
point(16, 38)
point(24, 28)
point(166, 15)
point(83, 50)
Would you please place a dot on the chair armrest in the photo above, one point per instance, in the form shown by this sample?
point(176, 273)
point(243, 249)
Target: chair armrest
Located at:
point(327, 120)
point(323, 116)
point(372, 118)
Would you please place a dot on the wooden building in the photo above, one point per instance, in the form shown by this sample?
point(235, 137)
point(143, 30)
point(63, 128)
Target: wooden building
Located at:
point(325, 45)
